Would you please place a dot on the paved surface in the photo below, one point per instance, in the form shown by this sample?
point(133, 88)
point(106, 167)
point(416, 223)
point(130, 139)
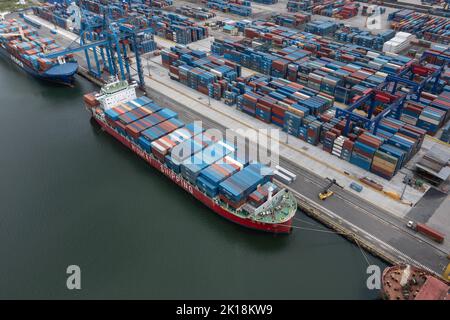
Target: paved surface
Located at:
point(374, 223)
point(427, 206)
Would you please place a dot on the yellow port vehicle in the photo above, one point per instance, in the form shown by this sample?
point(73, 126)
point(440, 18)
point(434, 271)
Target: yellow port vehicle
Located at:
point(325, 195)
point(326, 192)
point(446, 274)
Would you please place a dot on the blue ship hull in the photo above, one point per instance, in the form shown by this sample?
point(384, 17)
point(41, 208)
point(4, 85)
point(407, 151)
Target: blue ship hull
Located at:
point(61, 74)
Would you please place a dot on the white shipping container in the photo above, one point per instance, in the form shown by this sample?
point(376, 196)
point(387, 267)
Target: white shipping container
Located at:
point(286, 172)
point(283, 178)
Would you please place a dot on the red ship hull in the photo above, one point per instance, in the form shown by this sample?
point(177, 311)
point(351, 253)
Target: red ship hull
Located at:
point(279, 228)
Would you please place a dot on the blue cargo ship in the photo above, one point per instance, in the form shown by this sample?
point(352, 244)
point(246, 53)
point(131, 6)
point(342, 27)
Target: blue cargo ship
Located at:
point(27, 50)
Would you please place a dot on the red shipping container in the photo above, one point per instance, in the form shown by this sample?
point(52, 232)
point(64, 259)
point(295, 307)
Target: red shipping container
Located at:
point(430, 232)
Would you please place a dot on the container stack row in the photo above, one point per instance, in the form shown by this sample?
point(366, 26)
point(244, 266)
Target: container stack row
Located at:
point(363, 38)
point(60, 16)
point(321, 27)
point(383, 153)
point(399, 43)
point(291, 21)
point(265, 1)
point(53, 14)
point(33, 49)
point(280, 102)
point(177, 28)
point(235, 189)
point(353, 72)
point(284, 34)
point(341, 9)
point(209, 178)
point(239, 7)
point(206, 74)
point(196, 13)
point(306, 112)
point(424, 26)
point(299, 5)
point(445, 135)
point(428, 115)
point(159, 3)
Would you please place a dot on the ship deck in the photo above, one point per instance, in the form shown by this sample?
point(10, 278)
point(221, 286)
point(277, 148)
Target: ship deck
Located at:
point(283, 210)
point(411, 283)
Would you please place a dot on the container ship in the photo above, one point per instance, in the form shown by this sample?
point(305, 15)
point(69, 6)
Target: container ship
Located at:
point(406, 282)
point(210, 169)
point(22, 45)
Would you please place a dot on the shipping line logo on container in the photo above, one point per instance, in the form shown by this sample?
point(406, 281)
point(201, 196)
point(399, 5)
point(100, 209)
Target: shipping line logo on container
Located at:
point(181, 182)
point(240, 145)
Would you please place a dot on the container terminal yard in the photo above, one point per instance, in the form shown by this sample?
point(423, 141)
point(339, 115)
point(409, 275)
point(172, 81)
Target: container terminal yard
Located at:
point(360, 96)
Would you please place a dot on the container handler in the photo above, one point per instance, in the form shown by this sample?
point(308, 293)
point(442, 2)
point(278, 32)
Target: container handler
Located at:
point(326, 192)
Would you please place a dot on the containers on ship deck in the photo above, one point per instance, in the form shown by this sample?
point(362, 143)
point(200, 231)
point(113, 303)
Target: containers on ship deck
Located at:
point(135, 128)
point(157, 131)
point(121, 108)
point(113, 114)
point(161, 147)
point(186, 149)
point(140, 102)
point(235, 189)
point(128, 117)
point(260, 195)
point(209, 178)
point(192, 166)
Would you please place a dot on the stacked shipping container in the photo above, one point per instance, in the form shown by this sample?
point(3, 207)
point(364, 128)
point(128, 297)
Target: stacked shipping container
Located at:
point(211, 165)
point(428, 27)
point(235, 189)
point(350, 75)
point(196, 13)
point(341, 9)
point(206, 74)
point(363, 38)
point(239, 7)
point(177, 28)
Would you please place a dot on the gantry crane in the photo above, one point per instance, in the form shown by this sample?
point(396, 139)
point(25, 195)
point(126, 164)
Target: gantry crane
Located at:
point(414, 76)
point(107, 38)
